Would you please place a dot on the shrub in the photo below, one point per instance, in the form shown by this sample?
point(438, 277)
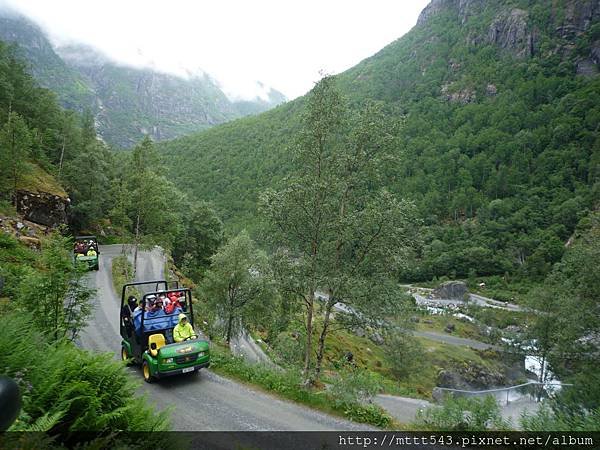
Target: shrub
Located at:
point(66, 389)
point(354, 385)
point(463, 414)
point(404, 353)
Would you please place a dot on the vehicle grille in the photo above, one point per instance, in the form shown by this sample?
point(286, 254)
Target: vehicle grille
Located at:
point(186, 359)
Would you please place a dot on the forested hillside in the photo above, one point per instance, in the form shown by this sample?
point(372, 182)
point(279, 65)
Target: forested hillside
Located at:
point(499, 144)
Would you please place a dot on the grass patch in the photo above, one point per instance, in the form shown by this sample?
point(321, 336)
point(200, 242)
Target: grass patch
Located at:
point(7, 208)
point(37, 180)
point(496, 287)
point(287, 384)
point(438, 324)
point(438, 356)
point(499, 318)
point(122, 273)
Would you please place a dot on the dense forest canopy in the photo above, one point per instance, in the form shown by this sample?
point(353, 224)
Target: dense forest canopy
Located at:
point(500, 145)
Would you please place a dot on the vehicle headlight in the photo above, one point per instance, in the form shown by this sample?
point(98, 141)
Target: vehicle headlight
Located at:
point(201, 354)
point(168, 360)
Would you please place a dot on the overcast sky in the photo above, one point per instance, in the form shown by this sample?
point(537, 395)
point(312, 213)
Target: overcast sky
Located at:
point(281, 43)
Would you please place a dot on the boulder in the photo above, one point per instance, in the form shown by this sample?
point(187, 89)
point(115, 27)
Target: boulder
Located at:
point(42, 208)
point(376, 338)
point(360, 332)
point(30, 241)
point(438, 394)
point(470, 376)
point(451, 290)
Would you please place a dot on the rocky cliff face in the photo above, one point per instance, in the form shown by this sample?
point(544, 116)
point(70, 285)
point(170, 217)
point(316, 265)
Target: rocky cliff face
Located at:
point(510, 31)
point(575, 17)
point(135, 102)
point(512, 28)
point(462, 8)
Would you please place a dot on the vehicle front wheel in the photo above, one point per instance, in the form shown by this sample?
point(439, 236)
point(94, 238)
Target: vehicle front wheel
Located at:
point(146, 372)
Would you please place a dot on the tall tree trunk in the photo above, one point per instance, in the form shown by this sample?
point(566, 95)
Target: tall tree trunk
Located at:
point(57, 301)
point(137, 244)
point(15, 168)
point(323, 336)
point(229, 327)
point(309, 329)
point(62, 155)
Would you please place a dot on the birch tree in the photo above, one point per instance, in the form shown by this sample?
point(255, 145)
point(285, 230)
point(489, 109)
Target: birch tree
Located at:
point(335, 229)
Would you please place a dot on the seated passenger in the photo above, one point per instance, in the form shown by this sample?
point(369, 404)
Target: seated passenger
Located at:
point(183, 330)
point(150, 300)
point(79, 247)
point(91, 252)
point(164, 300)
point(173, 304)
point(128, 308)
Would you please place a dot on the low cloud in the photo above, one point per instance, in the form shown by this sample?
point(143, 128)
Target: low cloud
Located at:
point(281, 44)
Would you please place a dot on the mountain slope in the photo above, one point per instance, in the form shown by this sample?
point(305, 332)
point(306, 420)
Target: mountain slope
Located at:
point(500, 146)
point(128, 103)
point(134, 101)
point(45, 65)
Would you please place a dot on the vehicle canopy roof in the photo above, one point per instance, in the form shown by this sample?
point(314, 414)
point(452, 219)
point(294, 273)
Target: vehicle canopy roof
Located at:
point(82, 238)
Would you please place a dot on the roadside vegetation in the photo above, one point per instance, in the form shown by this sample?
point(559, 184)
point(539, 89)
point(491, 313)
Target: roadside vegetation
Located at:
point(288, 384)
point(122, 273)
point(64, 388)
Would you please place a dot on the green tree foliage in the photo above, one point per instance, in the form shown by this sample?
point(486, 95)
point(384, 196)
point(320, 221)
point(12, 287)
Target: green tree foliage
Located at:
point(147, 203)
point(89, 176)
point(336, 228)
point(55, 293)
point(34, 129)
point(15, 143)
point(547, 420)
point(199, 238)
point(354, 385)
point(567, 327)
point(239, 287)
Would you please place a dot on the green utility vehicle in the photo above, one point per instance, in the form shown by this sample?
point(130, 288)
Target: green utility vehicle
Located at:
point(147, 331)
point(85, 250)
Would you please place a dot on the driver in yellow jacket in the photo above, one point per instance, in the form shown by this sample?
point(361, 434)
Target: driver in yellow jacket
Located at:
point(183, 330)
